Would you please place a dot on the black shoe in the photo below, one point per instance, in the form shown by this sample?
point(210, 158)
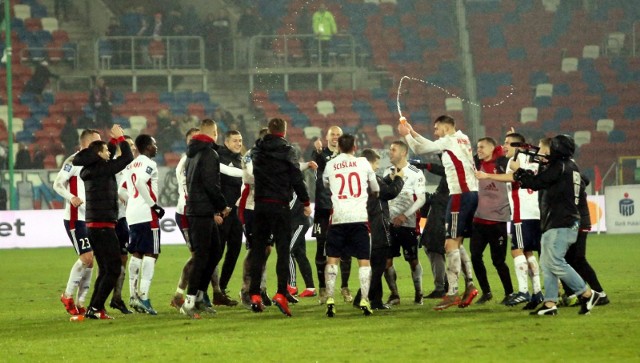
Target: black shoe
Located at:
point(506, 299)
point(536, 299)
point(290, 298)
point(545, 310)
point(266, 301)
point(485, 298)
point(587, 303)
point(380, 306)
point(436, 294)
point(120, 305)
point(604, 299)
point(356, 299)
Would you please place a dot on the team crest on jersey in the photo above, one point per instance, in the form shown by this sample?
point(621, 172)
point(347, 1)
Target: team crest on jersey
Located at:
point(149, 170)
point(246, 159)
point(67, 167)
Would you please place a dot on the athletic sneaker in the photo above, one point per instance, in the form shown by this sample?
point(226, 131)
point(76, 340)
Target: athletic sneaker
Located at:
point(447, 302)
point(256, 304)
point(120, 305)
point(436, 294)
point(221, 298)
point(587, 303)
point(604, 300)
point(366, 307)
point(417, 299)
point(393, 300)
point(346, 294)
point(82, 310)
point(93, 313)
point(485, 298)
point(146, 305)
point(308, 293)
point(518, 298)
point(177, 301)
point(69, 305)
point(266, 301)
point(291, 299)
point(380, 306)
point(282, 303)
point(331, 307)
point(201, 306)
point(207, 300)
point(134, 303)
point(506, 299)
point(545, 310)
point(192, 313)
point(469, 294)
point(292, 290)
point(245, 299)
point(536, 299)
point(322, 299)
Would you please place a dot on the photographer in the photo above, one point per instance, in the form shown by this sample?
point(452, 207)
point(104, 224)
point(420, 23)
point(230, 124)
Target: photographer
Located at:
point(559, 186)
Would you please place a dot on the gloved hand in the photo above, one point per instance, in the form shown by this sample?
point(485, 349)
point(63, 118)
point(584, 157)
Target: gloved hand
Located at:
point(420, 165)
point(159, 210)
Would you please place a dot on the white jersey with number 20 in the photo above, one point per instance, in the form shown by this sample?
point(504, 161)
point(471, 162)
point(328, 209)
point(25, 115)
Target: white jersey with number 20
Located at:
point(348, 177)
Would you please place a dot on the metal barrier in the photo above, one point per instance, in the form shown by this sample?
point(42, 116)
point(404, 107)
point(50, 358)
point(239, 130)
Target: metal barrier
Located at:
point(135, 53)
point(54, 54)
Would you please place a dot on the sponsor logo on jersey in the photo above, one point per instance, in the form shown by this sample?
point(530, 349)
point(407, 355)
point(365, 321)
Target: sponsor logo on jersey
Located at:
point(491, 187)
point(149, 170)
point(67, 167)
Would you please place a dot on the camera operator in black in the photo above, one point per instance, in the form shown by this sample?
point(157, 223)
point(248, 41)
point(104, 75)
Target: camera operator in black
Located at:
point(379, 222)
point(559, 185)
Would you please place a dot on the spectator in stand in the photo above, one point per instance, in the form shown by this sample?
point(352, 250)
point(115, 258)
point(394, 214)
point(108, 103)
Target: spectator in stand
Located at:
point(3, 155)
point(178, 47)
point(115, 29)
point(39, 80)
point(217, 32)
point(163, 119)
point(38, 158)
point(362, 139)
point(168, 134)
point(324, 27)
point(224, 116)
point(62, 9)
point(249, 25)
point(23, 158)
point(304, 25)
point(69, 137)
point(100, 101)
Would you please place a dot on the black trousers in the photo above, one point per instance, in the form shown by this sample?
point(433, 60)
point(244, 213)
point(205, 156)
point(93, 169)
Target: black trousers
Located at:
point(299, 253)
point(205, 242)
point(378, 264)
point(494, 235)
point(271, 220)
point(106, 249)
point(231, 238)
point(576, 256)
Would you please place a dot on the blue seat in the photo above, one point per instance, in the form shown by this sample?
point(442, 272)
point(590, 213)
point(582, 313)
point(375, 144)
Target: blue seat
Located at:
point(617, 136)
point(632, 112)
point(24, 136)
point(598, 113)
point(167, 97)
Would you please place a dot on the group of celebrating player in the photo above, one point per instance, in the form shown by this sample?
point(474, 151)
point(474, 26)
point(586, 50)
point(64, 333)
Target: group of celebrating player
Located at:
point(111, 211)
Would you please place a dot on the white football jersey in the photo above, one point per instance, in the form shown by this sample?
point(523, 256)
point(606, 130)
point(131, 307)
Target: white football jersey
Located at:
point(246, 200)
point(347, 178)
point(68, 184)
point(142, 186)
point(524, 202)
point(181, 177)
point(121, 179)
point(457, 159)
point(407, 200)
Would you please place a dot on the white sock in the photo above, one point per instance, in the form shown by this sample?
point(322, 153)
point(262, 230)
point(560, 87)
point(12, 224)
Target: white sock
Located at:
point(416, 275)
point(199, 296)
point(75, 276)
point(85, 285)
point(134, 274)
point(465, 265)
point(330, 274)
point(263, 280)
point(453, 270)
point(364, 273)
point(189, 302)
point(146, 275)
point(534, 273)
point(117, 291)
point(179, 291)
point(521, 267)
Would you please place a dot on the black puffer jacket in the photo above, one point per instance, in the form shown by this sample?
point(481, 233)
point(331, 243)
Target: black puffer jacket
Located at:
point(204, 195)
point(277, 172)
point(323, 198)
point(230, 185)
point(99, 176)
point(378, 211)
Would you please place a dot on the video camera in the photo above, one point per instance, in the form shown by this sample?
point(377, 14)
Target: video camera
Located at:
point(529, 150)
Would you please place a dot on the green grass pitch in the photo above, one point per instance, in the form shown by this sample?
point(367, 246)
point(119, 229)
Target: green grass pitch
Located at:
point(34, 326)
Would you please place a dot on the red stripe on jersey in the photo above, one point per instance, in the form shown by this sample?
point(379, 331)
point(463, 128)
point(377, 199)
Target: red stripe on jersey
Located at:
point(154, 219)
point(184, 220)
point(73, 211)
point(515, 195)
point(243, 201)
point(455, 202)
point(153, 196)
point(101, 224)
point(462, 180)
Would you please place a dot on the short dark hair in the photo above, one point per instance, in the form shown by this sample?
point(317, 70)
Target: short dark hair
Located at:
point(207, 122)
point(490, 140)
point(230, 133)
point(371, 155)
point(517, 137)
point(277, 125)
point(191, 131)
point(87, 132)
point(402, 145)
point(97, 146)
point(143, 141)
point(127, 137)
point(346, 143)
point(445, 119)
point(263, 131)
